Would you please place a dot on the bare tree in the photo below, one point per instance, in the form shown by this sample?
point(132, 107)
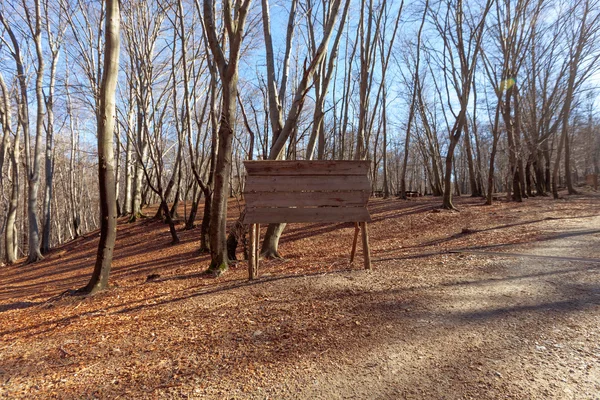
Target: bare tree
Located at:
point(322, 80)
point(106, 162)
point(461, 33)
point(582, 57)
point(413, 102)
point(234, 17)
point(55, 39)
point(11, 242)
point(281, 130)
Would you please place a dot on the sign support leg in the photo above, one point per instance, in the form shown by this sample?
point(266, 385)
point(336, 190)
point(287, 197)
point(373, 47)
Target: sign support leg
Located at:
point(365, 242)
point(257, 249)
point(251, 252)
point(356, 229)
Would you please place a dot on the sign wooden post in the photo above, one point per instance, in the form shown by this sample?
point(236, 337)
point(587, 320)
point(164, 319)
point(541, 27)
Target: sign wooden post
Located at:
point(306, 191)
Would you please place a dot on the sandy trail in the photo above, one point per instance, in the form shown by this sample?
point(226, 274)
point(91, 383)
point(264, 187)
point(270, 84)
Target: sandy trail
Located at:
point(522, 327)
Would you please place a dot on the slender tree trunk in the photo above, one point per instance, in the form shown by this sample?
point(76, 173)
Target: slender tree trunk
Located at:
point(11, 236)
point(386, 189)
point(547, 170)
point(413, 104)
point(49, 155)
point(196, 196)
point(491, 185)
point(136, 206)
point(447, 199)
point(557, 164)
point(540, 180)
point(218, 218)
point(128, 176)
point(129, 159)
point(106, 162)
point(528, 182)
point(568, 172)
point(34, 165)
point(10, 243)
point(472, 178)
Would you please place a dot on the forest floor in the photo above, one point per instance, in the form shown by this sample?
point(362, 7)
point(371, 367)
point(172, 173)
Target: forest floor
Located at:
point(490, 302)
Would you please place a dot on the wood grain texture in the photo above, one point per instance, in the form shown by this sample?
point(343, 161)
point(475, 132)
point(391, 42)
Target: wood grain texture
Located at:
point(306, 183)
point(306, 215)
point(307, 191)
point(307, 199)
point(312, 168)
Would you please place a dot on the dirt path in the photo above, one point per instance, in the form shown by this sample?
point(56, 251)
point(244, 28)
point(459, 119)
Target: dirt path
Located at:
point(518, 327)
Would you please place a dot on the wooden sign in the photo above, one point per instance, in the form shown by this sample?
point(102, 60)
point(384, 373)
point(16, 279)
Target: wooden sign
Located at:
point(306, 191)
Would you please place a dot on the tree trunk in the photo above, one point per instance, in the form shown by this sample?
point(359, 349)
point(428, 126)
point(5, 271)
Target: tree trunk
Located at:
point(555, 169)
point(166, 212)
point(228, 70)
point(205, 226)
point(11, 236)
point(447, 199)
point(547, 170)
point(218, 218)
point(472, 178)
point(136, 205)
point(106, 162)
point(386, 189)
point(540, 180)
point(270, 246)
point(196, 196)
point(129, 163)
point(568, 173)
point(528, 182)
point(413, 103)
point(496, 134)
point(49, 154)
point(34, 165)
point(509, 122)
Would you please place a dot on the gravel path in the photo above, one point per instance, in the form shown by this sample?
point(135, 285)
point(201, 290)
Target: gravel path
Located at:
point(519, 327)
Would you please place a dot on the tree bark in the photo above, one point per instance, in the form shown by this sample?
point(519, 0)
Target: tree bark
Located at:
point(228, 70)
point(10, 237)
point(55, 50)
point(583, 38)
point(106, 162)
point(33, 172)
point(496, 137)
point(568, 171)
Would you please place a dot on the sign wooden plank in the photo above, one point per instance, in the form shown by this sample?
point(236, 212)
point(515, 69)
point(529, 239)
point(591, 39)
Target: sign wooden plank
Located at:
point(306, 183)
point(307, 215)
point(312, 168)
point(306, 199)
